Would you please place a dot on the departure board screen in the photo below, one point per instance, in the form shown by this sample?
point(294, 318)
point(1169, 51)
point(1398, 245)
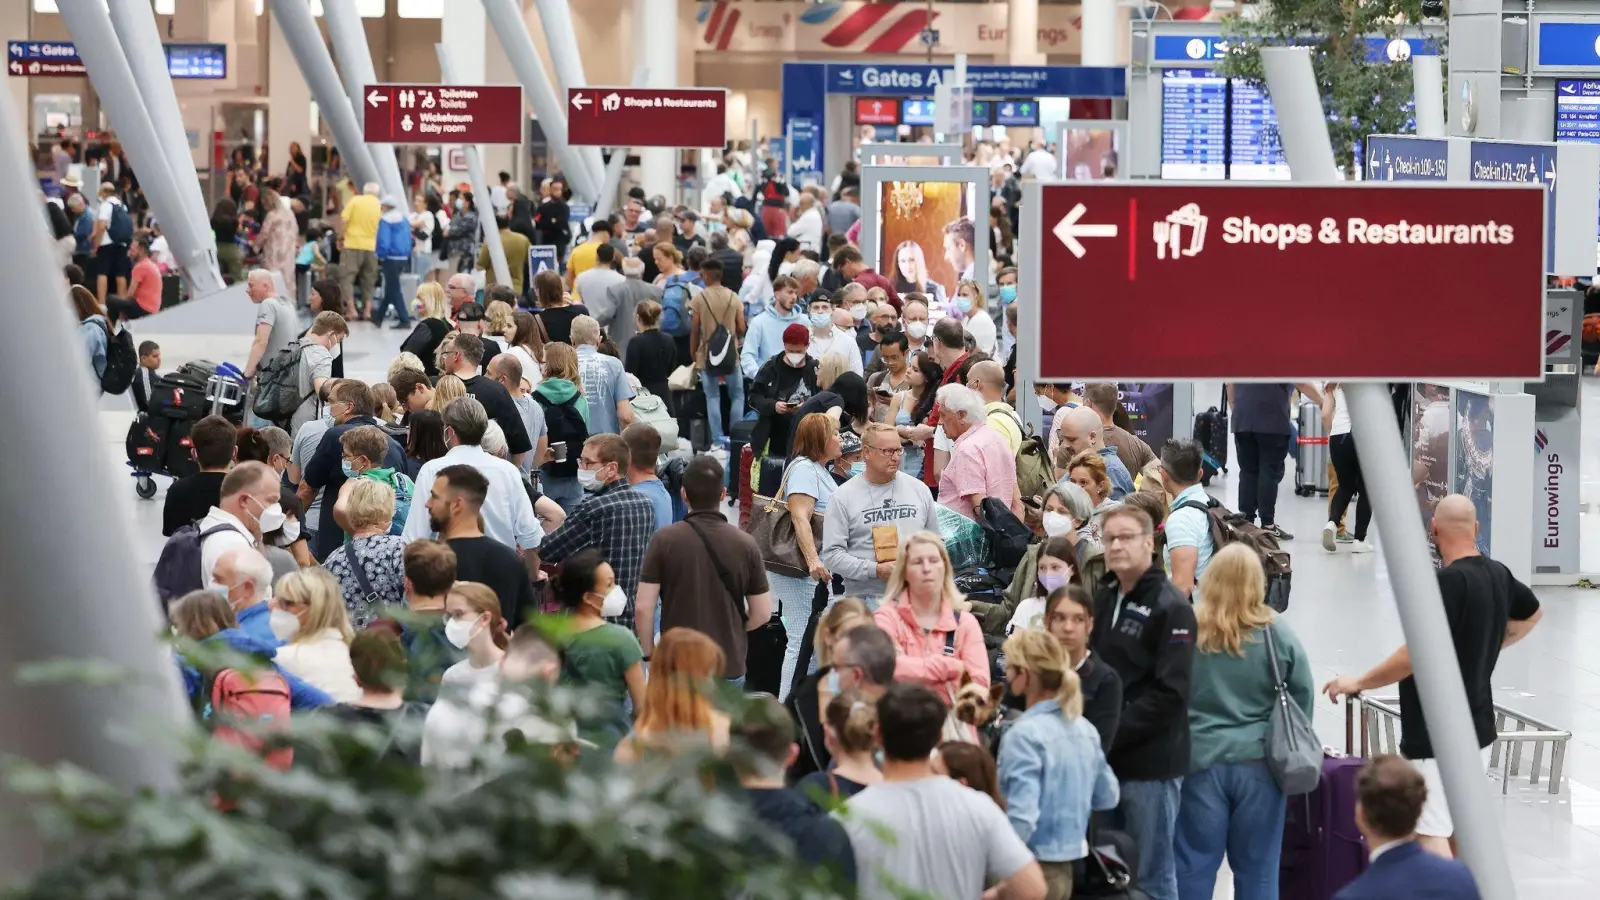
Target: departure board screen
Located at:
point(1194, 125)
point(1254, 152)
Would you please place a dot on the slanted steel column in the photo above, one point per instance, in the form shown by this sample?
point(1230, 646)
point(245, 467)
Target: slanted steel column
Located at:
point(135, 25)
point(349, 38)
point(1304, 132)
point(480, 185)
point(74, 590)
point(293, 18)
point(562, 39)
point(109, 71)
point(507, 24)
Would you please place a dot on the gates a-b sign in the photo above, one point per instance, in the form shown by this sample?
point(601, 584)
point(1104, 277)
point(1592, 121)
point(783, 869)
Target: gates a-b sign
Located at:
point(1180, 281)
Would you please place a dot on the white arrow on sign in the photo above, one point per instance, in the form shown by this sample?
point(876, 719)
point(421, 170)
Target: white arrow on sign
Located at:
point(580, 101)
point(1068, 230)
point(375, 98)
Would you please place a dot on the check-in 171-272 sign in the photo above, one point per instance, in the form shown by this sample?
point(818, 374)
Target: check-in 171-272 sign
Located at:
point(1286, 282)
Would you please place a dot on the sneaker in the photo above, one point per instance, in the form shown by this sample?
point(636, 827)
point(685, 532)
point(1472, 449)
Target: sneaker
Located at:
point(1330, 537)
point(1344, 538)
point(1360, 547)
point(1277, 531)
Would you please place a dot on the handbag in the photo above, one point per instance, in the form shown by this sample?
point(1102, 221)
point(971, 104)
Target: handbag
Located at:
point(773, 528)
point(765, 646)
point(1294, 754)
point(683, 378)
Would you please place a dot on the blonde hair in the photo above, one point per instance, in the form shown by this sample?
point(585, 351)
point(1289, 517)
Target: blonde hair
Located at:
point(561, 361)
point(1037, 652)
point(830, 368)
point(833, 624)
point(433, 303)
point(853, 720)
point(370, 505)
point(406, 360)
point(449, 388)
point(1235, 589)
point(318, 591)
point(480, 598)
point(897, 579)
point(499, 316)
point(384, 399)
point(977, 292)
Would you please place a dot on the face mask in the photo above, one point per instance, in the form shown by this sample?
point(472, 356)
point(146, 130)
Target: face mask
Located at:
point(588, 479)
point(1008, 293)
point(1046, 404)
point(284, 625)
point(349, 470)
point(794, 359)
point(859, 313)
point(460, 204)
point(964, 303)
point(820, 320)
point(1052, 581)
point(291, 533)
point(616, 602)
point(833, 681)
point(272, 519)
point(460, 632)
point(857, 468)
point(327, 417)
point(917, 330)
point(1057, 524)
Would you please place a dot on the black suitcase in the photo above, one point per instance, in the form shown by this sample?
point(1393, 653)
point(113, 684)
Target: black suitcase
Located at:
point(1211, 430)
point(146, 443)
point(176, 397)
point(177, 455)
point(769, 475)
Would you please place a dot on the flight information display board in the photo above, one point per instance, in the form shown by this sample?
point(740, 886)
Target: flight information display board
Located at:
point(1194, 125)
point(1254, 152)
point(1578, 113)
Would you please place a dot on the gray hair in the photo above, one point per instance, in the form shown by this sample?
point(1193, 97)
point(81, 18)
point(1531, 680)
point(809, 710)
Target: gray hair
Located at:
point(263, 274)
point(252, 565)
point(371, 189)
point(1075, 498)
point(585, 330)
point(958, 398)
point(633, 267)
point(806, 270)
point(278, 441)
point(468, 419)
point(494, 440)
point(872, 650)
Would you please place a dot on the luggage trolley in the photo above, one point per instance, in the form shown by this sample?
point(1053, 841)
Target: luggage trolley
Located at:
point(158, 442)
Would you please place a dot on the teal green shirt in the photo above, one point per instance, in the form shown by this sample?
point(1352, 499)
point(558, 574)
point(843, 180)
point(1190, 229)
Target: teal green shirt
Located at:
point(601, 657)
point(1231, 697)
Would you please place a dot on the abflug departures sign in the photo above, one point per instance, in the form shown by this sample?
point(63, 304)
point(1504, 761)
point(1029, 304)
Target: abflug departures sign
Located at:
point(1281, 282)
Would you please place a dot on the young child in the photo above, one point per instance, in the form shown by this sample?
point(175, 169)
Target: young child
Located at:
point(149, 362)
point(309, 262)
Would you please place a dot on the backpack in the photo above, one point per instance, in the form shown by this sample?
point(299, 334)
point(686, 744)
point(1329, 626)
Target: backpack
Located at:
point(178, 570)
point(242, 709)
point(565, 424)
point(122, 360)
point(1228, 527)
point(1008, 537)
point(1034, 473)
point(278, 385)
point(403, 488)
point(675, 296)
point(120, 228)
point(721, 355)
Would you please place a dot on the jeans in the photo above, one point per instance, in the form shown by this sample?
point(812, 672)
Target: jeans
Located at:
point(1261, 465)
point(710, 384)
point(566, 492)
point(1232, 808)
point(122, 308)
point(1149, 813)
point(392, 295)
point(1347, 465)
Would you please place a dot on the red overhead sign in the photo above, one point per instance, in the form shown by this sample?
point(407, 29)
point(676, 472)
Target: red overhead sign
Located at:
point(1179, 281)
point(877, 111)
point(646, 117)
point(442, 113)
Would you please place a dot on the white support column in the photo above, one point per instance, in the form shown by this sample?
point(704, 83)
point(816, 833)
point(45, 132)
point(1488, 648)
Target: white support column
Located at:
point(1099, 33)
point(293, 19)
point(561, 39)
point(480, 184)
point(656, 43)
point(1022, 33)
point(289, 113)
point(349, 38)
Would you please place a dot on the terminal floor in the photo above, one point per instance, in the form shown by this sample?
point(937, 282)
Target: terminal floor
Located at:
point(1343, 611)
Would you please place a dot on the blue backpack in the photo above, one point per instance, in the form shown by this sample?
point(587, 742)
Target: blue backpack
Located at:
point(120, 228)
point(675, 296)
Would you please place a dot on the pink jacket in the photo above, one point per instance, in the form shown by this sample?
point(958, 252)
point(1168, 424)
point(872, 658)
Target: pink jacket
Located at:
point(920, 656)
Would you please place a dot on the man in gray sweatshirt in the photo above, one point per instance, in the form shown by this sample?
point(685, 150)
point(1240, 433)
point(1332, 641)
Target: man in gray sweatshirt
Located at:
point(870, 515)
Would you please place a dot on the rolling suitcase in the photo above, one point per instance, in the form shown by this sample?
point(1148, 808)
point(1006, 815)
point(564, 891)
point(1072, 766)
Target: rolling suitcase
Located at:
point(1322, 849)
point(1211, 430)
point(738, 438)
point(177, 452)
point(1311, 453)
point(746, 494)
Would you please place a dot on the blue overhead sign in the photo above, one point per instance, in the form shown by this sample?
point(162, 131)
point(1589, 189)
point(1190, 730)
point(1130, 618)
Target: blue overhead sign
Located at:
point(207, 61)
point(54, 50)
point(1193, 48)
point(1504, 161)
point(990, 81)
point(1401, 158)
point(542, 257)
point(1569, 45)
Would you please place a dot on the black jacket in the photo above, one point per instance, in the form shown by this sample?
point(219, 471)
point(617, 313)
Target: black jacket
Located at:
point(807, 716)
point(819, 839)
point(1102, 698)
point(777, 380)
point(1151, 648)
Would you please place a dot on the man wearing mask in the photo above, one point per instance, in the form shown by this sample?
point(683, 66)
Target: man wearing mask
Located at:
point(1007, 281)
point(245, 578)
point(506, 511)
point(613, 516)
point(248, 506)
point(914, 319)
point(765, 337)
point(827, 337)
point(785, 381)
point(351, 404)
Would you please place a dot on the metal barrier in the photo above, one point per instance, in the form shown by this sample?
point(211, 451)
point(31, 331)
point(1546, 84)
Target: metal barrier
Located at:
point(1380, 727)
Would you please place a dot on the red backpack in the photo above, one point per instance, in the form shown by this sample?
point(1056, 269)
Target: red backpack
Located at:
point(241, 708)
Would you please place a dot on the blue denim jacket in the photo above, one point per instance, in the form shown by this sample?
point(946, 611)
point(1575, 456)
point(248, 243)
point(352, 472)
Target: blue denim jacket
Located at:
point(1052, 773)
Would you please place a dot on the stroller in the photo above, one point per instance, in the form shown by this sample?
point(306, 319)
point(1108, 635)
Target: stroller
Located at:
point(158, 441)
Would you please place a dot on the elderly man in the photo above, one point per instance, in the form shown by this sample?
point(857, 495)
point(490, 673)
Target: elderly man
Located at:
point(981, 465)
point(358, 260)
point(988, 378)
point(1082, 430)
point(245, 578)
point(246, 509)
point(614, 309)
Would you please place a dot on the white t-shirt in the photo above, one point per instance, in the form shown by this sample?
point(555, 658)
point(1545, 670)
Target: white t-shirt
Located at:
point(841, 342)
point(161, 252)
point(423, 222)
point(1029, 614)
point(457, 726)
point(1039, 164)
point(981, 327)
point(104, 215)
point(1341, 414)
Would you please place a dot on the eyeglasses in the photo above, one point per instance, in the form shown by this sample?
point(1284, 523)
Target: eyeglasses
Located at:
point(1112, 539)
point(587, 463)
point(897, 451)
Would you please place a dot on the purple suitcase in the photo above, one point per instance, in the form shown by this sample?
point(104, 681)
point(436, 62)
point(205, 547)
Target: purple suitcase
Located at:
point(1322, 849)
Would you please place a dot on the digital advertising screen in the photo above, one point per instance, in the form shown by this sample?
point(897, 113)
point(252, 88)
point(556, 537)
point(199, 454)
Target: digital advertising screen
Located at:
point(982, 112)
point(1474, 468)
point(925, 235)
point(916, 111)
point(877, 111)
point(1149, 406)
point(1194, 125)
point(1090, 154)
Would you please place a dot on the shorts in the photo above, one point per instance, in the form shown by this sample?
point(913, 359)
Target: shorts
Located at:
point(111, 260)
point(1435, 820)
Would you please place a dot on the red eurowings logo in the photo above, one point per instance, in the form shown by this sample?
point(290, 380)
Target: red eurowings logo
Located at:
point(870, 22)
point(720, 18)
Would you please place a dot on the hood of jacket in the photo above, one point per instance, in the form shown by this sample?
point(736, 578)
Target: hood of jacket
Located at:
point(241, 642)
point(557, 390)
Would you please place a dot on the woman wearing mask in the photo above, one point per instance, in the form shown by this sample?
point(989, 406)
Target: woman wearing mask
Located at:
point(1068, 513)
point(805, 490)
point(811, 693)
point(782, 385)
point(1053, 771)
point(1069, 617)
point(979, 326)
point(207, 617)
point(1231, 804)
point(597, 653)
point(308, 616)
point(563, 386)
point(908, 410)
point(370, 567)
point(464, 234)
point(473, 623)
point(849, 728)
point(287, 548)
point(677, 706)
point(1055, 566)
point(911, 273)
point(936, 639)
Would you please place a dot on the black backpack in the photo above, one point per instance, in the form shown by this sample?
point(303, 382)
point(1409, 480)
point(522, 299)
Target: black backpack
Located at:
point(278, 385)
point(122, 360)
point(721, 356)
point(1008, 537)
point(566, 425)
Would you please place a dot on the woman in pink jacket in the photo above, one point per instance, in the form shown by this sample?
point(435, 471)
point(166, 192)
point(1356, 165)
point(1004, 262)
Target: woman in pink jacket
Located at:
point(935, 638)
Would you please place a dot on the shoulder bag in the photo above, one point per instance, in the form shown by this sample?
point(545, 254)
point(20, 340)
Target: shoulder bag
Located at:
point(764, 647)
point(955, 729)
point(773, 528)
point(1294, 755)
point(360, 572)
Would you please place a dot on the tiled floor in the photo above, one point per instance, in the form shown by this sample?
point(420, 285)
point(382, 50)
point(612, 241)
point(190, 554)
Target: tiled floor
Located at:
point(1343, 611)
